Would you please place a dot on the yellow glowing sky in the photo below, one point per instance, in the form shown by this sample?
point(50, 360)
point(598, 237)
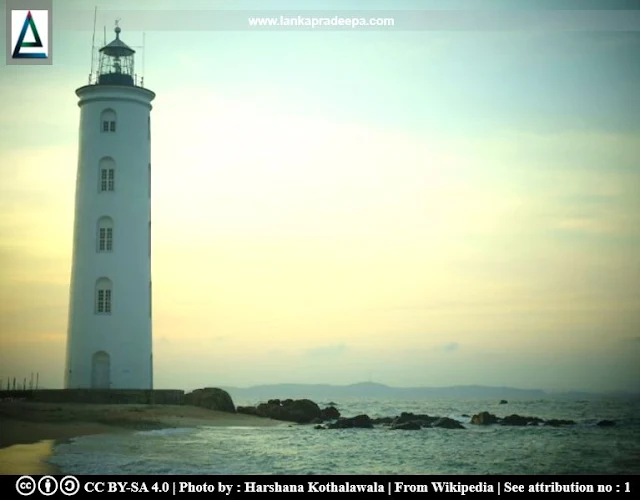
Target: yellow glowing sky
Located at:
point(342, 209)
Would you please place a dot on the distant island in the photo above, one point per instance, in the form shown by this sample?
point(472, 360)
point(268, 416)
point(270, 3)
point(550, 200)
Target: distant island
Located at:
point(376, 390)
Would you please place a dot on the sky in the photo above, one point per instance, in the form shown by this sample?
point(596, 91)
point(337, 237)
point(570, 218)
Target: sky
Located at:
point(412, 207)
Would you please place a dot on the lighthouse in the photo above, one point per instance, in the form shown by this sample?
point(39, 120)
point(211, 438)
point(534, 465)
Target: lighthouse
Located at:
point(109, 343)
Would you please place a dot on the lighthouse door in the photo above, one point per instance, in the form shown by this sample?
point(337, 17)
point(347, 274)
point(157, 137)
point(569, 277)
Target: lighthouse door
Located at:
point(101, 371)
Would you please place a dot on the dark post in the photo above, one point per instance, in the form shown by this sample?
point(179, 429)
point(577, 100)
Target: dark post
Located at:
point(24, 384)
point(37, 379)
point(14, 383)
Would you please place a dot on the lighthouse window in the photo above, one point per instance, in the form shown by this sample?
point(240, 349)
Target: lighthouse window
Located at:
point(103, 296)
point(109, 126)
point(105, 234)
point(107, 179)
point(107, 175)
point(106, 239)
point(108, 119)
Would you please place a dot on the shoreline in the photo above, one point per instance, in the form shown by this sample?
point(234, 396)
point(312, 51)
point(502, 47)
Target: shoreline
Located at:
point(30, 431)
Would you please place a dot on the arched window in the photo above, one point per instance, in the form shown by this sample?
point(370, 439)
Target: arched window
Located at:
point(104, 296)
point(108, 121)
point(105, 234)
point(107, 175)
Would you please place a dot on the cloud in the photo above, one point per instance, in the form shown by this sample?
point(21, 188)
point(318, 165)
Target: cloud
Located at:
point(327, 351)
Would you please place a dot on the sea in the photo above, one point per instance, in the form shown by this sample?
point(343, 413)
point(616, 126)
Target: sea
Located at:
point(584, 448)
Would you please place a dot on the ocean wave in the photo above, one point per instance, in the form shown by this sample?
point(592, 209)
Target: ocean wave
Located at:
point(580, 449)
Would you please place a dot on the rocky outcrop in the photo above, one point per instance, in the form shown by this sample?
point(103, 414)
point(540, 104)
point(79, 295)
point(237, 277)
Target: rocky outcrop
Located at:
point(554, 422)
point(305, 411)
point(300, 411)
point(519, 420)
point(504, 402)
point(447, 423)
point(357, 422)
point(211, 398)
point(382, 420)
point(484, 418)
point(606, 423)
point(247, 410)
point(423, 419)
point(407, 426)
point(330, 413)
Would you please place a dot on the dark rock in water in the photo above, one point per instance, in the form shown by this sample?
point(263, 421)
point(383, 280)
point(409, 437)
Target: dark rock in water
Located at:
point(447, 423)
point(382, 420)
point(359, 421)
point(275, 402)
point(330, 413)
point(211, 398)
point(331, 403)
point(465, 415)
point(425, 420)
point(504, 402)
point(319, 427)
point(558, 422)
point(247, 410)
point(484, 418)
point(301, 411)
point(518, 420)
point(407, 426)
point(606, 423)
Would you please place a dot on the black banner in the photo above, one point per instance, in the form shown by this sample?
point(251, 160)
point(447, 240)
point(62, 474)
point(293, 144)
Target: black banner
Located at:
point(68, 486)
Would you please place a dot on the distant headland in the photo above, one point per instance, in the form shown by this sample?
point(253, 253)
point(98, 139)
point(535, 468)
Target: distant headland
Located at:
point(382, 391)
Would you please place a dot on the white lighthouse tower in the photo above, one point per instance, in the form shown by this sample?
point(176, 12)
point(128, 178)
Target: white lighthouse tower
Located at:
point(109, 338)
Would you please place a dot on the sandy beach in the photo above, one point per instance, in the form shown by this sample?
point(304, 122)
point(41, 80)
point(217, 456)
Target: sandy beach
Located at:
point(29, 431)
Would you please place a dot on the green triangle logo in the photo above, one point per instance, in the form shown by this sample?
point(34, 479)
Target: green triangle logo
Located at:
point(28, 23)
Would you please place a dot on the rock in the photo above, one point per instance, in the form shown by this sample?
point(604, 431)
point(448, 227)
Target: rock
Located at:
point(558, 423)
point(330, 413)
point(606, 423)
point(424, 419)
point(484, 418)
point(247, 410)
point(382, 420)
point(407, 426)
point(210, 398)
point(275, 402)
point(319, 427)
point(447, 423)
point(359, 421)
point(518, 420)
point(504, 402)
point(301, 411)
